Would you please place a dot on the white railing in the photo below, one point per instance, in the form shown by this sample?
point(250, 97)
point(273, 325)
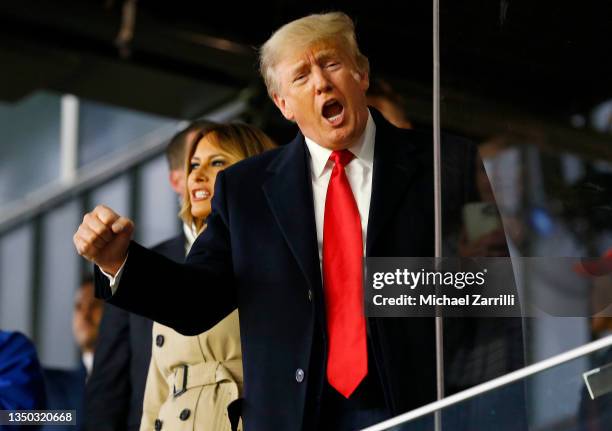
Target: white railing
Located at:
point(504, 380)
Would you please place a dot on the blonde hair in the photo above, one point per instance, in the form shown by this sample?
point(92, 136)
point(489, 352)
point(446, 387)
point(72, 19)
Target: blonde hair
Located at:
point(304, 32)
point(237, 139)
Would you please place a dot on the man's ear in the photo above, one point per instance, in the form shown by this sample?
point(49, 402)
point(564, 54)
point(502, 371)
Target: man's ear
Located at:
point(363, 79)
point(177, 181)
point(282, 105)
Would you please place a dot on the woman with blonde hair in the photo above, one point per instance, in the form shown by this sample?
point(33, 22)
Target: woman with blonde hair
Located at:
point(193, 379)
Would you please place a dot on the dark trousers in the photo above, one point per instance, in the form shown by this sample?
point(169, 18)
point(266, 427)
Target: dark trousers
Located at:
point(364, 408)
point(351, 420)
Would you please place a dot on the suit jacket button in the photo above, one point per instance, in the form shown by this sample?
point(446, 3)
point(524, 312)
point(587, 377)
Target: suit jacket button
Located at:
point(299, 375)
point(185, 414)
point(310, 295)
point(159, 340)
point(158, 425)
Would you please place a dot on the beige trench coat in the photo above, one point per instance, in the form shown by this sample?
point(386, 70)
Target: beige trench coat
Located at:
point(192, 380)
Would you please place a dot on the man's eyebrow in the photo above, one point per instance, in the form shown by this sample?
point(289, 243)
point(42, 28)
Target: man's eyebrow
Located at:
point(326, 55)
point(298, 66)
point(319, 56)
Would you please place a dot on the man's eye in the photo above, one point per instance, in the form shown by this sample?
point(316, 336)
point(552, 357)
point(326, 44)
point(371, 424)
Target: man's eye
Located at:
point(332, 64)
point(299, 78)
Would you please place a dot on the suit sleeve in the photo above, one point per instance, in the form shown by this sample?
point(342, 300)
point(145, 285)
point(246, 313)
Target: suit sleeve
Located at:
point(191, 297)
point(107, 394)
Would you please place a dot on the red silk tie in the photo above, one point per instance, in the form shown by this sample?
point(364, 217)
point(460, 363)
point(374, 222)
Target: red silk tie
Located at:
point(347, 360)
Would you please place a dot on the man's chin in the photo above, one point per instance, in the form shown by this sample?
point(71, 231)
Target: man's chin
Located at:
point(340, 138)
point(337, 144)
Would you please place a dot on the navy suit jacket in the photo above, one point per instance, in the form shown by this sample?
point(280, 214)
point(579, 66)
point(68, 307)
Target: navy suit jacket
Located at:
point(115, 389)
point(259, 253)
point(65, 391)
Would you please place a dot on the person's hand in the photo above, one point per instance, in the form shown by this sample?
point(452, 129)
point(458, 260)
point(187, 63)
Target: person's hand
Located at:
point(492, 244)
point(103, 238)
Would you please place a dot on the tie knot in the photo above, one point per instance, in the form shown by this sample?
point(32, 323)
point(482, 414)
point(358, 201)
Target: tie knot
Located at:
point(341, 157)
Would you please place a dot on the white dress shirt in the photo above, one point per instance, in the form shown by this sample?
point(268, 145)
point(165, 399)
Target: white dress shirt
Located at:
point(87, 358)
point(359, 174)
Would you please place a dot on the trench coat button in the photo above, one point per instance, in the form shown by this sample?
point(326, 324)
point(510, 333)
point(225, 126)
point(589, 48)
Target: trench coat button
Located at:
point(185, 414)
point(309, 295)
point(158, 425)
point(299, 375)
point(159, 340)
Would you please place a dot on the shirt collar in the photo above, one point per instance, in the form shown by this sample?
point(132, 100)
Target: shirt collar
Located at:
point(363, 149)
point(87, 358)
point(190, 235)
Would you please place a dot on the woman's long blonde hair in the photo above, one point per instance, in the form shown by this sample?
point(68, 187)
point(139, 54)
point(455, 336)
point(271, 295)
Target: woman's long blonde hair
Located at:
point(237, 139)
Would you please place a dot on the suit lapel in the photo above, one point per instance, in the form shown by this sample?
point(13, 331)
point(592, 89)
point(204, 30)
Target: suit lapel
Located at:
point(289, 195)
point(395, 165)
point(289, 192)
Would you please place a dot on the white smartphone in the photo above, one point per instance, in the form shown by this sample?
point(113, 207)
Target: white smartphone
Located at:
point(480, 218)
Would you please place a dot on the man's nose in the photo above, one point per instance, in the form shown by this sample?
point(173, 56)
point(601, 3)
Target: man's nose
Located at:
point(322, 83)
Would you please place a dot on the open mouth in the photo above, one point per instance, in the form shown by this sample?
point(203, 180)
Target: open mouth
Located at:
point(333, 112)
point(200, 195)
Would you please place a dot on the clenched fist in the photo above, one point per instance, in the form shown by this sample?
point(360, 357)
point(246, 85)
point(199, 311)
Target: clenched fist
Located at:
point(103, 238)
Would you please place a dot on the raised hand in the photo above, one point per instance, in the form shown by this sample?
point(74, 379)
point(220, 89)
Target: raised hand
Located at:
point(103, 238)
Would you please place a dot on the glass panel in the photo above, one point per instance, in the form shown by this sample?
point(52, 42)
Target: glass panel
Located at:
point(158, 212)
point(16, 280)
point(59, 280)
point(29, 146)
point(523, 81)
point(105, 129)
point(566, 401)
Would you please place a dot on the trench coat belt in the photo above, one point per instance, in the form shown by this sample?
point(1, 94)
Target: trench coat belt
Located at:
point(189, 376)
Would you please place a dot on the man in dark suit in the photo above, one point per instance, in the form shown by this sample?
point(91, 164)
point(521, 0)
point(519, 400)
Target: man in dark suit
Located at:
point(285, 242)
point(115, 389)
point(65, 388)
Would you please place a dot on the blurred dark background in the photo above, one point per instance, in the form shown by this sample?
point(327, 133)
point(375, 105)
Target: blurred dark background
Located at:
point(524, 61)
